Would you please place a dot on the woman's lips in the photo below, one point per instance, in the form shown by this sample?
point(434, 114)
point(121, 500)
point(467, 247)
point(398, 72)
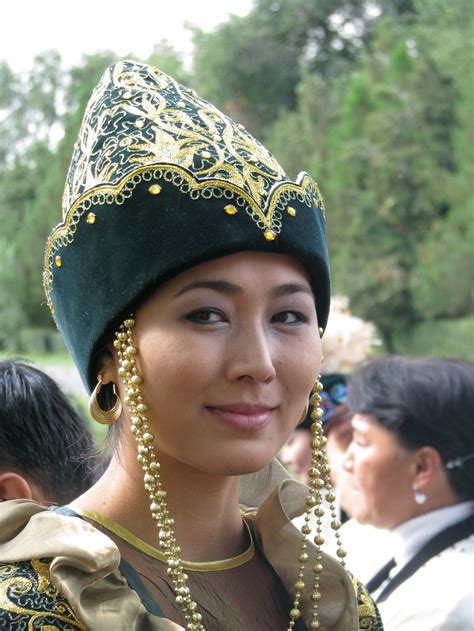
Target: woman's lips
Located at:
point(249, 418)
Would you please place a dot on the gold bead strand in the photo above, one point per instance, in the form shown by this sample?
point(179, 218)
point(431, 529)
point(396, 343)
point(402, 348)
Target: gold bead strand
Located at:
point(319, 482)
point(313, 502)
point(325, 469)
point(151, 467)
point(331, 498)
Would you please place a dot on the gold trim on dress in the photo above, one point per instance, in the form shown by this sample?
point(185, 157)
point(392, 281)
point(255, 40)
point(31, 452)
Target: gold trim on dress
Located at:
point(195, 566)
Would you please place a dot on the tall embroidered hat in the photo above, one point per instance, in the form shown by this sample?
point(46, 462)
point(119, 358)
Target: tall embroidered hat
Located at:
point(160, 180)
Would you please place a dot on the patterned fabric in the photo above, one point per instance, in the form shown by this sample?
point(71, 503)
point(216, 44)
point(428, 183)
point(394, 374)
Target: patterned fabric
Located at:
point(141, 125)
point(30, 602)
point(138, 116)
point(369, 616)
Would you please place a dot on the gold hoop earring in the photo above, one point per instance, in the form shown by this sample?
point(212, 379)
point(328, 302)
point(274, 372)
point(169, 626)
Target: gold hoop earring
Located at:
point(104, 417)
point(305, 413)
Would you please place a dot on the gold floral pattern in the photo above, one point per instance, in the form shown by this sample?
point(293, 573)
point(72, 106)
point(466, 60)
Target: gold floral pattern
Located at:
point(29, 600)
point(369, 616)
point(141, 125)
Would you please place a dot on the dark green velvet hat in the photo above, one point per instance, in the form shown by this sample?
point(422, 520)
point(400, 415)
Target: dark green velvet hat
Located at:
point(160, 180)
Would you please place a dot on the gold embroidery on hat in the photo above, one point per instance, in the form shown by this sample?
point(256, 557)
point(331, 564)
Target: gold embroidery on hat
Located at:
point(91, 217)
point(305, 190)
point(230, 209)
point(163, 122)
point(163, 131)
point(291, 211)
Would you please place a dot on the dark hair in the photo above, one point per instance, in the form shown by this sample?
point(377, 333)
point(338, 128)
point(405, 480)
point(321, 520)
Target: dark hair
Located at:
point(41, 435)
point(425, 401)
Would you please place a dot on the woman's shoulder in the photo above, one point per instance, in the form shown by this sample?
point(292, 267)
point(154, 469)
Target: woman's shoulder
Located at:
point(32, 531)
point(61, 570)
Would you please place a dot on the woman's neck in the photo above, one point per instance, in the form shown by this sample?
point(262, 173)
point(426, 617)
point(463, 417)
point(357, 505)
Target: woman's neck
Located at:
point(207, 521)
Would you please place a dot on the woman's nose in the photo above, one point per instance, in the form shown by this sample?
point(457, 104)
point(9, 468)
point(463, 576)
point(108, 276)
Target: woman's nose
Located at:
point(251, 356)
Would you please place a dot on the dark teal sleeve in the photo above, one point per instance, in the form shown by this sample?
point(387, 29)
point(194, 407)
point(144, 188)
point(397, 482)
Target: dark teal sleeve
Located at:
point(30, 602)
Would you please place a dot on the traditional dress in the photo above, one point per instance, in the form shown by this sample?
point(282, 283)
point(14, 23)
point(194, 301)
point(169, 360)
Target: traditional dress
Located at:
point(58, 571)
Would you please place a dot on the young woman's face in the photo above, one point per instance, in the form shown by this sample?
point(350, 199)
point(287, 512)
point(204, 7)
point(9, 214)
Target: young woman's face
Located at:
point(378, 487)
point(229, 351)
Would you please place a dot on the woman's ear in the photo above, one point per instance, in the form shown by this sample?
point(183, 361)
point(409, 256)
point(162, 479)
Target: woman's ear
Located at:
point(106, 366)
point(427, 464)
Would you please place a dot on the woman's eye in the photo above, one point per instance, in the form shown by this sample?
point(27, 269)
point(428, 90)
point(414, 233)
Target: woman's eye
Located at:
point(205, 316)
point(289, 317)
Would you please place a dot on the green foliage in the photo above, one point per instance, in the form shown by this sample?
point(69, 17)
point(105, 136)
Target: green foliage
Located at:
point(39, 341)
point(392, 144)
point(376, 104)
point(251, 66)
point(167, 59)
point(42, 111)
point(443, 338)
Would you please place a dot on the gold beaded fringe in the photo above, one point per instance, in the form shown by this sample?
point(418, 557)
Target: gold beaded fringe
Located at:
point(320, 483)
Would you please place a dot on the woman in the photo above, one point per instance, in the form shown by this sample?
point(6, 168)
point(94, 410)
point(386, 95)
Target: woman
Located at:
point(411, 464)
point(188, 278)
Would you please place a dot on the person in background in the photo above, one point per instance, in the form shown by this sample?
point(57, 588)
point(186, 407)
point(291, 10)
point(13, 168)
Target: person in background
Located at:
point(47, 452)
point(411, 471)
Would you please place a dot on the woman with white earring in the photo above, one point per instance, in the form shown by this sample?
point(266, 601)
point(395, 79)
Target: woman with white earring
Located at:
point(411, 470)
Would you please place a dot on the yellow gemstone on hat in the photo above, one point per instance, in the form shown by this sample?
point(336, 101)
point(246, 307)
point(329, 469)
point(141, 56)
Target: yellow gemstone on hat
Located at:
point(269, 235)
point(58, 261)
point(230, 209)
point(91, 218)
point(291, 211)
point(155, 189)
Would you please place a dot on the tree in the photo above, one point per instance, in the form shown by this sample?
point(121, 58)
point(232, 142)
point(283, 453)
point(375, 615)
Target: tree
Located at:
point(250, 66)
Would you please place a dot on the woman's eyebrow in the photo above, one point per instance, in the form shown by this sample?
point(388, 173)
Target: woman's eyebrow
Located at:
point(228, 288)
point(221, 286)
point(291, 288)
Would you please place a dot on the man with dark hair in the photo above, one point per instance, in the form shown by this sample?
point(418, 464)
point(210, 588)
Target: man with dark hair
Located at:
point(47, 453)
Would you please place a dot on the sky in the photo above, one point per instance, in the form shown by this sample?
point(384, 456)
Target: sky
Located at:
point(29, 27)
